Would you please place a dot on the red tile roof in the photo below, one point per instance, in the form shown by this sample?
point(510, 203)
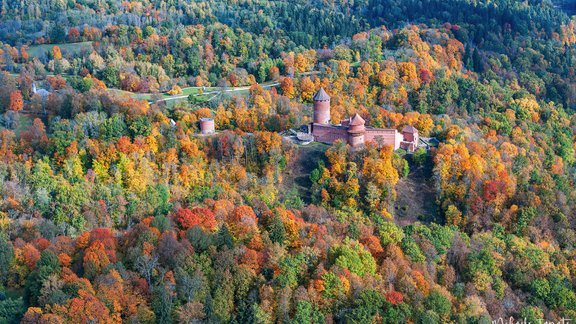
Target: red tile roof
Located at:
point(357, 120)
point(409, 129)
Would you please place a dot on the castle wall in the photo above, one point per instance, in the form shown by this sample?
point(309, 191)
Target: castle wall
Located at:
point(383, 136)
point(409, 146)
point(409, 137)
point(409, 141)
point(328, 133)
point(356, 134)
point(356, 140)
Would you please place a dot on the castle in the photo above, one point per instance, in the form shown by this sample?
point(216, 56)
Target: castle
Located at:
point(354, 131)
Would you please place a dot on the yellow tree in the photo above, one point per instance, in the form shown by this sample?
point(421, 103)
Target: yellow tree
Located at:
point(223, 116)
point(407, 71)
point(380, 170)
point(56, 53)
point(337, 155)
point(306, 89)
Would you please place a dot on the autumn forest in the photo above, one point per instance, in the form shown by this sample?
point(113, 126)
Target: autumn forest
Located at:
point(115, 208)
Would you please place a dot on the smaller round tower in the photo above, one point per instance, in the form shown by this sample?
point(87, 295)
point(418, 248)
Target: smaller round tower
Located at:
point(356, 131)
point(321, 107)
point(207, 126)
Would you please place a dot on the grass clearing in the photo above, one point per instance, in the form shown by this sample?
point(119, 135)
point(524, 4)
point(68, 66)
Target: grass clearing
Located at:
point(164, 95)
point(75, 48)
point(24, 123)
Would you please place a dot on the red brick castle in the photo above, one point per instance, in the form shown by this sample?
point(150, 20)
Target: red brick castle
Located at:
point(354, 131)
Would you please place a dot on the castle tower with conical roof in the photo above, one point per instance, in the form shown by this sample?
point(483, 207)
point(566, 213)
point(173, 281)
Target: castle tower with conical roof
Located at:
point(321, 107)
point(356, 131)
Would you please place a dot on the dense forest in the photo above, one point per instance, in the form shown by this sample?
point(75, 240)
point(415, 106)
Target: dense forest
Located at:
point(114, 209)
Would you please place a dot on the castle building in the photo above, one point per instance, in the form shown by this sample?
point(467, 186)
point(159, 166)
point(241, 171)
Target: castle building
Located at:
point(354, 131)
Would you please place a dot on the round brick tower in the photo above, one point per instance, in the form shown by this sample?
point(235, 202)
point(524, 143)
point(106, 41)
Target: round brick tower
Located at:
point(321, 107)
point(356, 131)
point(207, 126)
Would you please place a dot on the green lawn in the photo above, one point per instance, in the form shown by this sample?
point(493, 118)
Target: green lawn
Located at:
point(135, 95)
point(38, 50)
point(148, 96)
point(24, 123)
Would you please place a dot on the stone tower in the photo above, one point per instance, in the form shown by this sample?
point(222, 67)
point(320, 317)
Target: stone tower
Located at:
point(207, 126)
point(321, 107)
point(356, 131)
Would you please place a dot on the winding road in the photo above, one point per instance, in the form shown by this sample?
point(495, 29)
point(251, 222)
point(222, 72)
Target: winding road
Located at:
point(215, 92)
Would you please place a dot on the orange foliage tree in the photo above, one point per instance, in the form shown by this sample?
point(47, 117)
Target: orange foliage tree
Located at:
point(16, 101)
point(203, 217)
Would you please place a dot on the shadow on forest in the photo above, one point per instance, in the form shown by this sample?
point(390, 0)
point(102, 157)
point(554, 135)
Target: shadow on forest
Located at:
point(416, 196)
point(297, 174)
